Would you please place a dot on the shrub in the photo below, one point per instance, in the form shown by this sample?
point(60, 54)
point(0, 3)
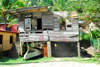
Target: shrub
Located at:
point(86, 36)
point(98, 55)
point(96, 33)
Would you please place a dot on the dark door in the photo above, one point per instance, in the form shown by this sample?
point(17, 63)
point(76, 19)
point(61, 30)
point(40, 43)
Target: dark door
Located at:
point(39, 24)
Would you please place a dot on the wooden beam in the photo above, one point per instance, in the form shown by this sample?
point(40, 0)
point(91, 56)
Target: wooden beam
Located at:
point(49, 48)
point(37, 10)
point(78, 46)
point(21, 49)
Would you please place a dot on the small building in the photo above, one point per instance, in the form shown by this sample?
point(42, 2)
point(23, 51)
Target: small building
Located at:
point(39, 24)
point(7, 39)
point(12, 28)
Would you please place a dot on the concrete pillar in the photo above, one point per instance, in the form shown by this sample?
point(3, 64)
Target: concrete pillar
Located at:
point(49, 48)
point(78, 49)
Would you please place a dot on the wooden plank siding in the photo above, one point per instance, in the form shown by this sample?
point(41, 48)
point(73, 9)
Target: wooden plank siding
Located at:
point(34, 38)
point(47, 21)
point(22, 23)
point(56, 24)
point(75, 24)
point(53, 35)
point(50, 28)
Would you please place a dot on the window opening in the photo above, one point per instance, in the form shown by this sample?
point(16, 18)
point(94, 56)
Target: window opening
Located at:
point(38, 32)
point(11, 39)
point(33, 24)
point(62, 24)
point(69, 25)
point(68, 20)
point(39, 24)
point(1, 39)
point(36, 24)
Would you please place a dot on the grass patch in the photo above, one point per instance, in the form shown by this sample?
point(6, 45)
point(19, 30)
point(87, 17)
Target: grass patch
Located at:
point(10, 61)
point(4, 61)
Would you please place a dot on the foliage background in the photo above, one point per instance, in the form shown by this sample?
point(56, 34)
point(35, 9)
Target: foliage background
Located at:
point(89, 10)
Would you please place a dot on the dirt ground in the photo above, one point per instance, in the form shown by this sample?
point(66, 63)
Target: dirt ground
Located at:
point(56, 64)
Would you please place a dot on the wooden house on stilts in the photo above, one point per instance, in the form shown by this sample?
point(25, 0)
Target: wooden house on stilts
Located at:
point(38, 25)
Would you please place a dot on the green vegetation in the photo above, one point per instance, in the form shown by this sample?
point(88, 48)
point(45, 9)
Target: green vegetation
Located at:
point(6, 5)
point(96, 33)
point(98, 55)
point(86, 36)
point(10, 61)
point(86, 8)
point(95, 43)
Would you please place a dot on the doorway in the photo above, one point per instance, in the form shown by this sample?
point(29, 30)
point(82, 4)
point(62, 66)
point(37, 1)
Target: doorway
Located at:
point(39, 24)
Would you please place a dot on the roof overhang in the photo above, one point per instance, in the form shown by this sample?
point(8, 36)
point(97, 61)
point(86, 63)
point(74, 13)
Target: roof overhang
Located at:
point(16, 12)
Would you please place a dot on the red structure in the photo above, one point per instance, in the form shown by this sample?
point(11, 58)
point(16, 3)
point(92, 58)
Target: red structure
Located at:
point(13, 28)
point(45, 50)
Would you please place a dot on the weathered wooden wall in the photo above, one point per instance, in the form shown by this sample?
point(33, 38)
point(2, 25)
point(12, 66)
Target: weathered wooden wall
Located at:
point(50, 28)
point(47, 20)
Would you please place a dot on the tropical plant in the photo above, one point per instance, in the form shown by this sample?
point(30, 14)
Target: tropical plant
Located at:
point(59, 5)
point(86, 36)
point(96, 33)
point(88, 10)
point(6, 5)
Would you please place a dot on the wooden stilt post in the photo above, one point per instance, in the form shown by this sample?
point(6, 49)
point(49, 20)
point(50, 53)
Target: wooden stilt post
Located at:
point(21, 48)
point(78, 46)
point(49, 48)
